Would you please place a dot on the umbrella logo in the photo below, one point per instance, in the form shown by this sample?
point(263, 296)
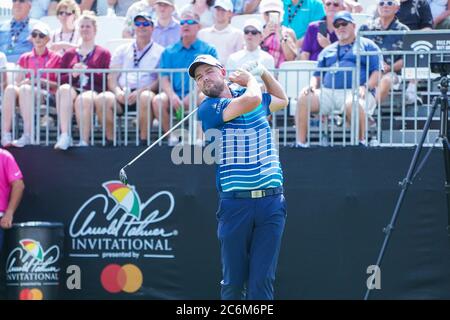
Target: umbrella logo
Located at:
point(125, 197)
point(33, 248)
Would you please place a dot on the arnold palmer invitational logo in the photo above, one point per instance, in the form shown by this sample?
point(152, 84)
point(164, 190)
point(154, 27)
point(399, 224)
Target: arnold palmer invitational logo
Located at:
point(30, 264)
point(119, 225)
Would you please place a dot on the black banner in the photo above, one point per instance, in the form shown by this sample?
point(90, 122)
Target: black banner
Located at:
point(156, 239)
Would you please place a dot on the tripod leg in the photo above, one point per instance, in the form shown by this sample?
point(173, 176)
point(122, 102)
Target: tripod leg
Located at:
point(404, 184)
point(445, 135)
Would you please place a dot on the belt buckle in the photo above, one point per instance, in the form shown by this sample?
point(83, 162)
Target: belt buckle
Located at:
point(257, 194)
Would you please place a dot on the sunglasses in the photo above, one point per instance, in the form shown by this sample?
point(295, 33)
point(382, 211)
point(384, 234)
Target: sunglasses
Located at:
point(337, 25)
point(335, 4)
point(387, 3)
point(63, 13)
point(35, 34)
point(143, 23)
point(253, 32)
point(188, 22)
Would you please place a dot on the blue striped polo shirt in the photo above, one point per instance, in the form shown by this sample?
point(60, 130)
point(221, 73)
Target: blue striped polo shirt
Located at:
point(248, 155)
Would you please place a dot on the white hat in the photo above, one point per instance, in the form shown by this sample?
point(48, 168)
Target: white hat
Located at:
point(203, 59)
point(255, 23)
point(271, 5)
point(41, 27)
point(225, 4)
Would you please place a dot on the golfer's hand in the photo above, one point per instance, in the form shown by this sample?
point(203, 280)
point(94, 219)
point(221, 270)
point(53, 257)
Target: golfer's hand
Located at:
point(6, 221)
point(255, 68)
point(240, 77)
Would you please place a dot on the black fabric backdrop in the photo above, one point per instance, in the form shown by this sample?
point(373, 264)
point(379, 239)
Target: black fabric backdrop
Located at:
point(339, 199)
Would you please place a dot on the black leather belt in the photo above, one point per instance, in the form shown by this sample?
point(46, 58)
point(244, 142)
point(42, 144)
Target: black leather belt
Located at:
point(251, 194)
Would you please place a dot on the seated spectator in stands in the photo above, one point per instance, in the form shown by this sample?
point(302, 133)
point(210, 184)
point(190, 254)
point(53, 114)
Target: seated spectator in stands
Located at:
point(120, 7)
point(223, 36)
point(42, 8)
point(11, 191)
point(336, 91)
point(252, 52)
point(415, 14)
point(440, 10)
point(353, 6)
point(132, 89)
point(79, 90)
point(314, 40)
point(135, 9)
point(3, 62)
point(14, 32)
point(88, 5)
point(66, 37)
point(249, 7)
point(279, 41)
point(22, 90)
point(298, 14)
point(202, 8)
point(387, 21)
point(180, 55)
point(167, 30)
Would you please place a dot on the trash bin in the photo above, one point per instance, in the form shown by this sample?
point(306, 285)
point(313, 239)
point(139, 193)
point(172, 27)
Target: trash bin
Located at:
point(33, 260)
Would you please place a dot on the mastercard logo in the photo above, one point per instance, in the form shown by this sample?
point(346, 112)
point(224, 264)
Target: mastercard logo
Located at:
point(127, 278)
point(31, 294)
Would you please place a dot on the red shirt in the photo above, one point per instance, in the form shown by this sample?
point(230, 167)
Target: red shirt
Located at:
point(99, 58)
point(49, 60)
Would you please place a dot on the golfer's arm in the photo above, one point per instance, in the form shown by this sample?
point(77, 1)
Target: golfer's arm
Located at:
point(273, 87)
point(16, 195)
point(247, 102)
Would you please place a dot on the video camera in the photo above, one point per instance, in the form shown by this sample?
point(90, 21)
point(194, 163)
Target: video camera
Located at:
point(443, 68)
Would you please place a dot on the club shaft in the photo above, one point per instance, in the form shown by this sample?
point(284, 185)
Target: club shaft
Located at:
point(161, 138)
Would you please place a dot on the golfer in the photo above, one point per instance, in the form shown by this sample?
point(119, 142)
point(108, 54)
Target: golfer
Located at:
point(252, 209)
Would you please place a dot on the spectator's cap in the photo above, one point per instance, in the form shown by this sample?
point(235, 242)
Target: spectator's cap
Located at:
point(203, 59)
point(271, 5)
point(42, 28)
point(343, 15)
point(143, 15)
point(255, 23)
point(224, 4)
point(169, 2)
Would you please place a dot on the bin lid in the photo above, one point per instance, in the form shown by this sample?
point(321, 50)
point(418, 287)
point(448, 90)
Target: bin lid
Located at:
point(45, 224)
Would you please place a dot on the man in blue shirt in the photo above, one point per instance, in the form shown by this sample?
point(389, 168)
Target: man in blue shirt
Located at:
point(14, 33)
point(176, 85)
point(338, 90)
point(252, 209)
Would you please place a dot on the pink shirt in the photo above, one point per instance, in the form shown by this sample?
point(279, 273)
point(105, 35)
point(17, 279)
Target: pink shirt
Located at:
point(49, 60)
point(9, 172)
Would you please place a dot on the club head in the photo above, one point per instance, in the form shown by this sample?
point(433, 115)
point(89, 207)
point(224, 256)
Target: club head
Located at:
point(123, 177)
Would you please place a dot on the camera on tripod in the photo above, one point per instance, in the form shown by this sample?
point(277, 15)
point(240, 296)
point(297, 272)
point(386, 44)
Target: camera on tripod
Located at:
point(443, 68)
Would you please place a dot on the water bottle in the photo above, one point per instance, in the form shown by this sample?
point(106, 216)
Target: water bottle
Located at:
point(179, 114)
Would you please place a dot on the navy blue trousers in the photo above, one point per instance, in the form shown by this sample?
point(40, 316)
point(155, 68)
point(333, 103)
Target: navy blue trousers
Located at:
point(250, 232)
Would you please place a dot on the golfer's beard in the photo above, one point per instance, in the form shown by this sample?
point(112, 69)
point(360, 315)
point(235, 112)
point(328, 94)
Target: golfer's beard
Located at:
point(214, 90)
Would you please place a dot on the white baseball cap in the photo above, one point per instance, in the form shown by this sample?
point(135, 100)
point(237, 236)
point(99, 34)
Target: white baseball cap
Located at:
point(225, 4)
point(255, 23)
point(203, 59)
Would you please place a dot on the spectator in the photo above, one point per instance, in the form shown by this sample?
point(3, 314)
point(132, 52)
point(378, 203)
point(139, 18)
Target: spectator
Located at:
point(415, 14)
point(353, 6)
point(387, 21)
point(440, 10)
point(135, 9)
point(42, 8)
point(336, 91)
point(3, 63)
point(299, 14)
point(224, 37)
point(11, 190)
point(180, 55)
point(279, 41)
point(167, 30)
point(14, 33)
point(78, 88)
point(252, 52)
point(249, 7)
point(120, 7)
point(66, 37)
point(22, 90)
point(88, 5)
point(203, 8)
point(314, 40)
point(132, 89)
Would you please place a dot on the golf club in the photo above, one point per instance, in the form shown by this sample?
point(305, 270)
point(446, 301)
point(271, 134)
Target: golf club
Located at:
point(123, 175)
